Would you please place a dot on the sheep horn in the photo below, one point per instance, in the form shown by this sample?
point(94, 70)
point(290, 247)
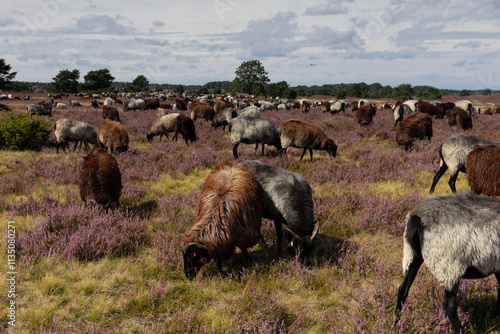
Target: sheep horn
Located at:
point(296, 236)
point(316, 230)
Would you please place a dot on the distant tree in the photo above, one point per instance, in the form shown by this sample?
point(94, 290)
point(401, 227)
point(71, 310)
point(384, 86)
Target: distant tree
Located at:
point(18, 86)
point(6, 76)
point(464, 92)
point(403, 92)
point(290, 93)
point(326, 91)
point(486, 91)
point(340, 93)
point(179, 89)
point(276, 89)
point(66, 81)
point(202, 90)
point(250, 77)
point(98, 81)
point(217, 90)
point(140, 84)
point(429, 93)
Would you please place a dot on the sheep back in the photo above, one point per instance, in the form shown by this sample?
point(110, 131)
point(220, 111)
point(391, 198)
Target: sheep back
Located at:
point(185, 126)
point(483, 170)
point(299, 134)
point(416, 125)
point(202, 110)
point(112, 134)
point(364, 115)
point(110, 112)
point(459, 117)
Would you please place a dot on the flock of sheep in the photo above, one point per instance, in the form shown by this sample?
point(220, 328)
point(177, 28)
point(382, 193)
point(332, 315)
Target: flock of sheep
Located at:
point(457, 236)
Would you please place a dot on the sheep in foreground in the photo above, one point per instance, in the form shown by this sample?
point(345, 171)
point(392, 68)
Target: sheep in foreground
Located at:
point(180, 104)
point(483, 170)
point(364, 115)
point(100, 179)
point(221, 105)
point(416, 125)
point(459, 117)
point(326, 106)
point(228, 216)
point(67, 130)
point(112, 134)
point(453, 153)
point(367, 103)
point(223, 117)
point(299, 134)
point(110, 112)
point(457, 236)
point(162, 126)
point(253, 131)
point(151, 105)
point(185, 126)
point(286, 199)
point(202, 110)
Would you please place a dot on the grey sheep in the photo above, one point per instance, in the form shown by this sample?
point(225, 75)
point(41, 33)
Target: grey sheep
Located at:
point(253, 131)
point(249, 112)
point(162, 126)
point(453, 153)
point(133, 104)
point(223, 117)
point(67, 130)
point(37, 109)
point(457, 236)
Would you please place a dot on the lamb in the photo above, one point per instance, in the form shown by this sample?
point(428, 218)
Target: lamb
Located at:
point(185, 126)
point(100, 179)
point(453, 153)
point(112, 134)
point(483, 170)
point(364, 115)
point(202, 110)
point(222, 118)
point(457, 236)
point(110, 112)
point(400, 111)
point(286, 199)
point(67, 130)
point(37, 109)
point(337, 107)
point(305, 107)
point(415, 125)
point(162, 126)
point(133, 104)
point(459, 117)
point(249, 131)
point(296, 133)
point(228, 216)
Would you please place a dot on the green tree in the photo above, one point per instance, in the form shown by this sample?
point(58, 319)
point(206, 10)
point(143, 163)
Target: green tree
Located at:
point(6, 76)
point(140, 84)
point(403, 92)
point(250, 77)
point(179, 89)
point(464, 92)
point(66, 81)
point(486, 91)
point(98, 81)
point(290, 93)
point(276, 89)
point(429, 93)
point(217, 90)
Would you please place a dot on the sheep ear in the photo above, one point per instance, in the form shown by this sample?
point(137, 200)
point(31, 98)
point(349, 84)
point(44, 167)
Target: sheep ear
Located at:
point(296, 236)
point(316, 230)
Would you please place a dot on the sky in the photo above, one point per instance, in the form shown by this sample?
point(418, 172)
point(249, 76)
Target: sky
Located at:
point(448, 44)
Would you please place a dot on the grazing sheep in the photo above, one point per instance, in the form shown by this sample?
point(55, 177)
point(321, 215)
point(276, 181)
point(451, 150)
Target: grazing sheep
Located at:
point(228, 216)
point(249, 112)
point(159, 112)
point(201, 110)
point(459, 117)
point(465, 105)
point(457, 236)
point(445, 107)
point(162, 126)
point(483, 170)
point(221, 105)
point(264, 105)
point(367, 103)
point(400, 111)
point(185, 126)
point(133, 104)
point(60, 105)
point(48, 104)
point(326, 106)
point(338, 106)
point(180, 104)
point(428, 108)
point(299, 134)
point(286, 199)
point(37, 109)
point(109, 102)
point(250, 130)
point(151, 105)
point(75, 104)
point(222, 118)
point(96, 104)
point(453, 153)
point(110, 112)
point(305, 107)
point(100, 179)
point(112, 134)
point(364, 115)
point(415, 125)
point(67, 130)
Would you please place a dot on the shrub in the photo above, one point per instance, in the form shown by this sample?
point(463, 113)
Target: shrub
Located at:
point(23, 132)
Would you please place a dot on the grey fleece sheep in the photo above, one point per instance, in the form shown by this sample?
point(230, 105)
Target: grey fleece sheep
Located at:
point(286, 199)
point(453, 153)
point(67, 130)
point(37, 109)
point(249, 112)
point(162, 126)
point(223, 117)
point(253, 131)
point(457, 236)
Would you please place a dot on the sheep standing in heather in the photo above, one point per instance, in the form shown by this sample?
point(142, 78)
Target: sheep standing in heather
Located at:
point(162, 126)
point(415, 125)
point(400, 111)
point(222, 118)
point(202, 110)
point(457, 236)
point(465, 105)
point(299, 134)
point(100, 179)
point(453, 154)
point(228, 216)
point(67, 130)
point(221, 105)
point(367, 103)
point(338, 106)
point(364, 115)
point(110, 112)
point(428, 108)
point(112, 134)
point(151, 105)
point(305, 106)
point(459, 117)
point(483, 170)
point(185, 126)
point(180, 104)
point(287, 200)
point(326, 106)
point(253, 131)
point(159, 112)
point(249, 112)
point(133, 104)
point(445, 107)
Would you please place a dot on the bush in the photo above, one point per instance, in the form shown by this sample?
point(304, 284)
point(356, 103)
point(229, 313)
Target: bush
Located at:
point(23, 132)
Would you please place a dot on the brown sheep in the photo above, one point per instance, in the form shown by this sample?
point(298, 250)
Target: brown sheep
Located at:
point(185, 126)
point(364, 115)
point(159, 112)
point(428, 108)
point(221, 105)
point(97, 104)
point(111, 113)
point(415, 125)
point(305, 107)
point(100, 179)
point(202, 110)
point(151, 105)
point(296, 133)
point(166, 105)
point(459, 117)
point(483, 170)
point(445, 107)
point(112, 134)
point(228, 216)
point(326, 106)
point(180, 104)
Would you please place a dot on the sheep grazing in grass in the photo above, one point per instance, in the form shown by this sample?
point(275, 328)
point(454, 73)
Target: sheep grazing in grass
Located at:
point(67, 130)
point(221, 105)
point(299, 134)
point(36, 109)
point(151, 105)
point(367, 103)
point(457, 236)
point(180, 104)
point(338, 106)
point(416, 125)
point(133, 104)
point(453, 153)
point(459, 117)
point(428, 108)
point(159, 112)
point(112, 134)
point(222, 118)
point(305, 107)
point(185, 126)
point(445, 107)
point(96, 104)
point(100, 179)
point(483, 170)
point(465, 105)
point(162, 126)
point(110, 112)
point(326, 106)
point(287, 200)
point(253, 131)
point(364, 115)
point(400, 111)
point(202, 110)
point(228, 216)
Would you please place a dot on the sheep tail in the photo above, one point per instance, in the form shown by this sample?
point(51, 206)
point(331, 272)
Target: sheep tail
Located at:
point(411, 243)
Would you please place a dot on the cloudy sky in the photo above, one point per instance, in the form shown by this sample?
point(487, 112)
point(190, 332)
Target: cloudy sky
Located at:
point(446, 44)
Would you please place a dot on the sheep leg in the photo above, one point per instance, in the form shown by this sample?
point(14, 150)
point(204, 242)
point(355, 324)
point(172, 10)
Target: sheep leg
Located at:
point(450, 307)
point(303, 152)
point(235, 150)
point(175, 136)
point(76, 143)
point(496, 310)
point(404, 288)
point(452, 181)
point(247, 260)
point(438, 175)
point(161, 135)
point(263, 148)
point(256, 146)
point(311, 152)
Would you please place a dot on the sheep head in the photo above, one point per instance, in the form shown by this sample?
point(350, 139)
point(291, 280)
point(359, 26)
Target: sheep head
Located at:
point(195, 255)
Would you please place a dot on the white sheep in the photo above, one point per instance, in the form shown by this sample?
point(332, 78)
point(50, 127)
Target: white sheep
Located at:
point(162, 126)
point(67, 130)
